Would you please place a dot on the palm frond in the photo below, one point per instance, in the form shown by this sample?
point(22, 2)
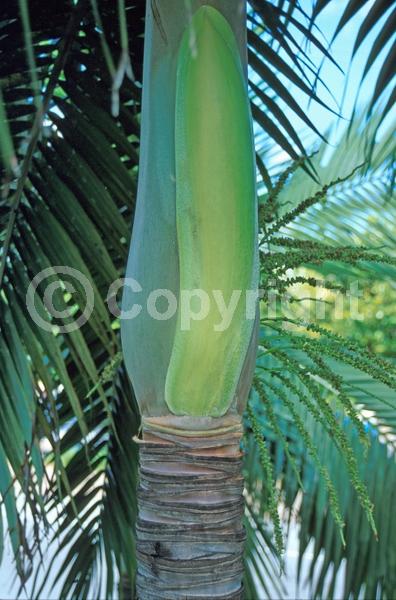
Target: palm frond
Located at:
point(330, 389)
point(359, 211)
point(69, 204)
point(369, 565)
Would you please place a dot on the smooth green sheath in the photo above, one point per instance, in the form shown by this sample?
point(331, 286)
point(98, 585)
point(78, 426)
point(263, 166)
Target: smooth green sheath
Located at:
point(215, 215)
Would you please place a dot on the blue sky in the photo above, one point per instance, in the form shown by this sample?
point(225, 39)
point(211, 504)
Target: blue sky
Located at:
point(341, 51)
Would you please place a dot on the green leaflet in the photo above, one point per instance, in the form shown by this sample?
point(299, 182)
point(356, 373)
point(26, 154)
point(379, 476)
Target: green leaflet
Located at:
point(215, 215)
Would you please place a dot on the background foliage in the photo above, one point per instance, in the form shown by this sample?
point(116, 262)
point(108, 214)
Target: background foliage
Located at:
point(69, 128)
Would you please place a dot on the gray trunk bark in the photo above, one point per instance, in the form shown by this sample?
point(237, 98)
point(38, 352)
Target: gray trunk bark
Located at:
point(190, 536)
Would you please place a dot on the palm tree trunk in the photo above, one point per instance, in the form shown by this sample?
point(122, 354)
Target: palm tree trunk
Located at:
point(190, 535)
